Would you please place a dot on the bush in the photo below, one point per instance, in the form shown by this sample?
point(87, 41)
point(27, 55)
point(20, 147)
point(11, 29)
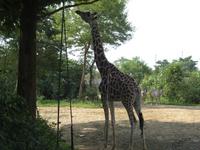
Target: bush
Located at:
point(46, 87)
point(7, 83)
point(191, 88)
point(174, 76)
point(19, 131)
point(91, 93)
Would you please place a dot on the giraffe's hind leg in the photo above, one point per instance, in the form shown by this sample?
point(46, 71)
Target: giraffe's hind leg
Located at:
point(137, 107)
point(140, 116)
point(129, 109)
point(112, 112)
point(106, 113)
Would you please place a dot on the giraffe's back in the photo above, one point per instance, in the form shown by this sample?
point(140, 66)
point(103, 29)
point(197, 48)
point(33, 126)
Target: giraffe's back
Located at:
point(121, 86)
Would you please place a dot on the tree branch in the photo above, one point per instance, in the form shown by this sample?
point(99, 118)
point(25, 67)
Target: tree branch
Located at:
point(69, 6)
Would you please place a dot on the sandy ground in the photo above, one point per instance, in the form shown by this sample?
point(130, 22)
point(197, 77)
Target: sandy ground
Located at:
point(166, 127)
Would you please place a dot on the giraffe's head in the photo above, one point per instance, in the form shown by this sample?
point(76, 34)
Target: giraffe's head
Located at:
point(87, 16)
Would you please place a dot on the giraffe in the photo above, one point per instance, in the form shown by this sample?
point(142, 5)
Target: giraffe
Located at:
point(155, 94)
point(114, 86)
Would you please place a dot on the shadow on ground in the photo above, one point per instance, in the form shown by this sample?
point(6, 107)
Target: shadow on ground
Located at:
point(172, 107)
point(160, 106)
point(159, 135)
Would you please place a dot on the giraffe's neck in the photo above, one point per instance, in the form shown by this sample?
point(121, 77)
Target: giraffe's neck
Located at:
point(100, 58)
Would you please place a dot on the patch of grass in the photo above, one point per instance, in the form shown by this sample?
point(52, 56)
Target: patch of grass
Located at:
point(75, 103)
point(64, 146)
point(97, 103)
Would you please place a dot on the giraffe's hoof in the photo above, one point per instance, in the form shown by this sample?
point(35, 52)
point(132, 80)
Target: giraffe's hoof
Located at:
point(145, 147)
point(105, 145)
point(130, 148)
point(113, 147)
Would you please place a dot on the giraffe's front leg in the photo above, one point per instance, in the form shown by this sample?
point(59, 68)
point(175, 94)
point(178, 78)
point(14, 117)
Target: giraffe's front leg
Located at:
point(112, 112)
point(106, 113)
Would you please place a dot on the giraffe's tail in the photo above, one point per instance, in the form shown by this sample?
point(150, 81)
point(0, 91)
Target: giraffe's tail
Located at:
point(137, 106)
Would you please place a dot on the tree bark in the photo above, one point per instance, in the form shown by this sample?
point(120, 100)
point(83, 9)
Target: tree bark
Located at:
point(87, 46)
point(91, 73)
point(27, 55)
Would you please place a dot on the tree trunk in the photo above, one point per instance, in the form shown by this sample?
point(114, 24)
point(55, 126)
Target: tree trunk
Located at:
point(87, 46)
point(27, 55)
point(91, 73)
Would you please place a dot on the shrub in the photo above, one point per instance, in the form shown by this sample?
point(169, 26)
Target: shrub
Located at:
point(19, 131)
point(191, 88)
point(91, 93)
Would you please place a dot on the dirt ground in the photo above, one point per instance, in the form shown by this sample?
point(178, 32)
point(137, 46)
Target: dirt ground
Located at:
point(166, 127)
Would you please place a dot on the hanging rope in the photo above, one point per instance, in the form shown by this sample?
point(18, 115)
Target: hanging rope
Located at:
point(62, 46)
point(68, 82)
